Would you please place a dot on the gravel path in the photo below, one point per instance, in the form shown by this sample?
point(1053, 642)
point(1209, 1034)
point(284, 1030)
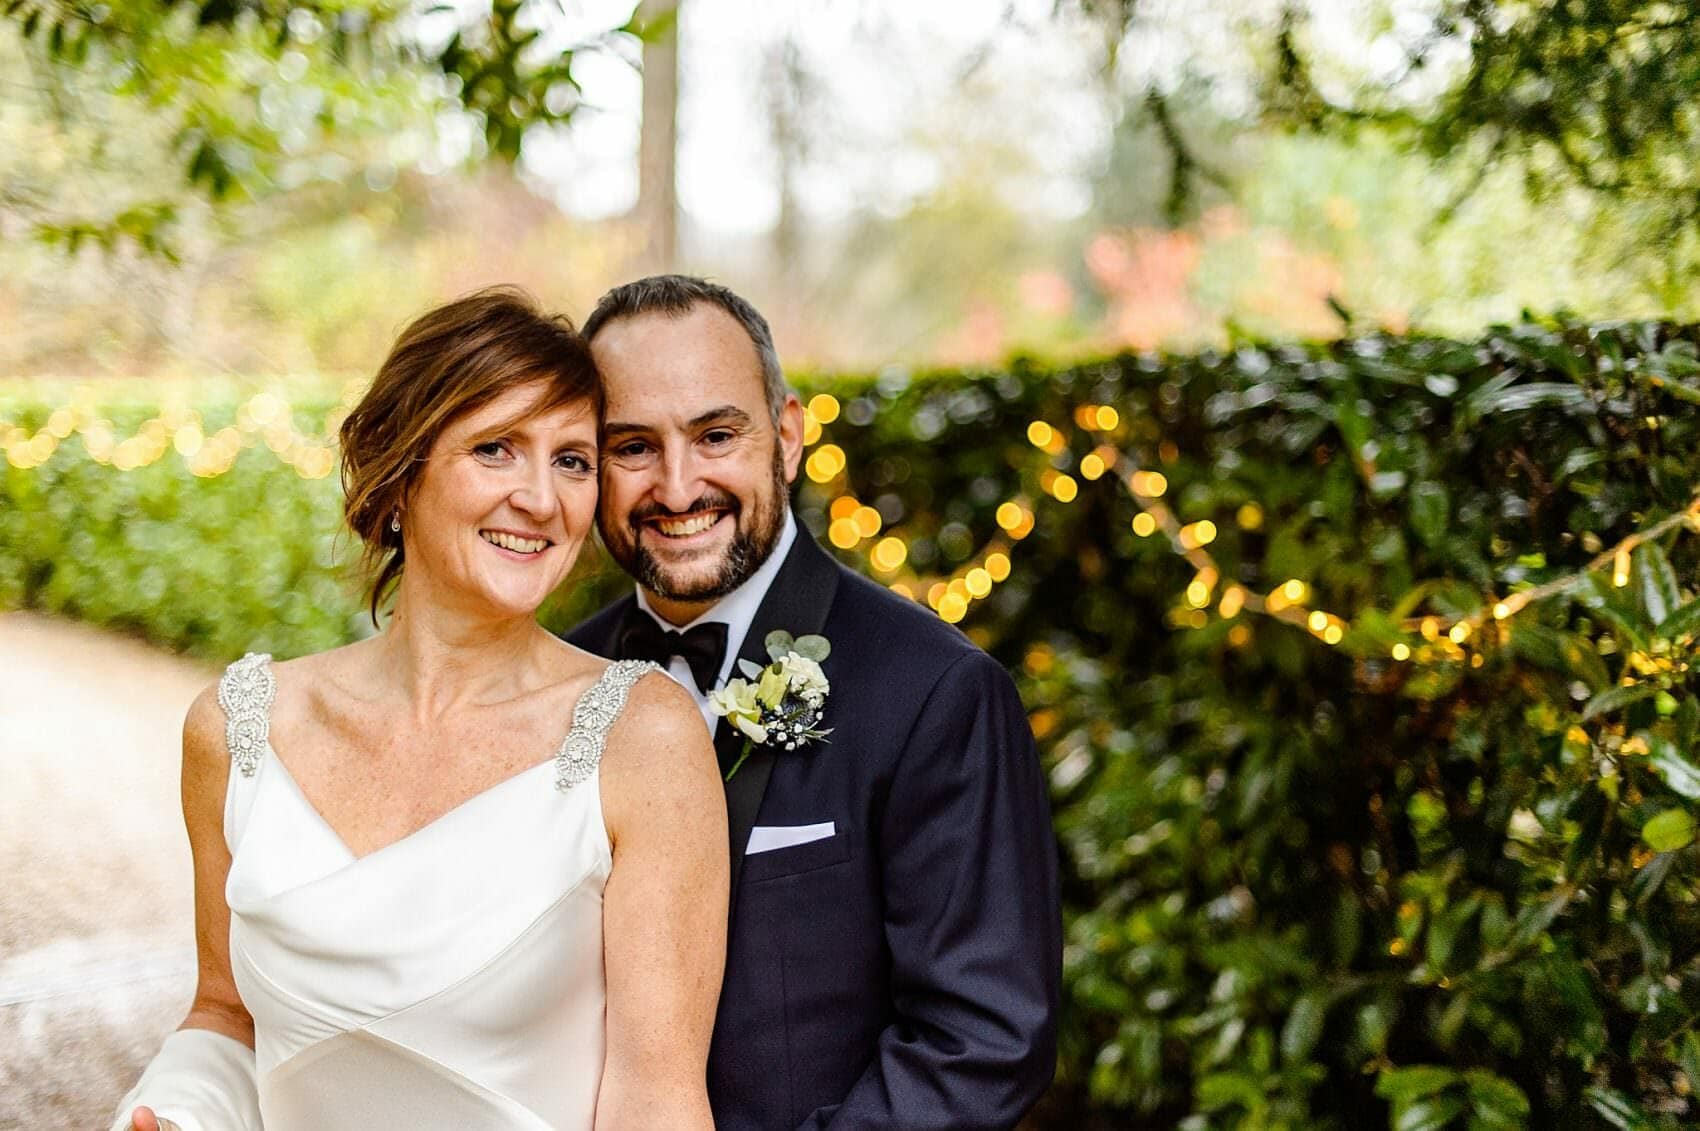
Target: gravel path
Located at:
point(96, 930)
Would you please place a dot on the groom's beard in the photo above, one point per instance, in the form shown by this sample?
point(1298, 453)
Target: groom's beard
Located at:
point(757, 533)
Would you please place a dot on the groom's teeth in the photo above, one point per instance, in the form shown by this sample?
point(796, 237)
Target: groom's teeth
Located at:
point(513, 542)
point(680, 527)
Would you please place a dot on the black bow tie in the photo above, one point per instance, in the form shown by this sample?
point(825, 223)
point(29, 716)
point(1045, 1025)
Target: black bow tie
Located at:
point(702, 647)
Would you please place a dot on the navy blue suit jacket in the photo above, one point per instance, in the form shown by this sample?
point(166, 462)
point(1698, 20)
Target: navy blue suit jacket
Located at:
point(905, 971)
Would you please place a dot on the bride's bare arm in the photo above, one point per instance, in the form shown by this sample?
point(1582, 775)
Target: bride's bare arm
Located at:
point(664, 911)
point(206, 773)
point(217, 1008)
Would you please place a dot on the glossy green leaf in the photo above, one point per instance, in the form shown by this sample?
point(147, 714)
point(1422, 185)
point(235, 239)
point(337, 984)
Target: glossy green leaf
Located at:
point(1678, 772)
point(1683, 621)
point(1534, 920)
point(1616, 699)
point(1534, 394)
point(1414, 1082)
point(1688, 1055)
point(1303, 1028)
point(1430, 1114)
point(1496, 1102)
point(1430, 510)
point(1669, 830)
point(1650, 877)
point(1567, 653)
point(1619, 1110)
point(1656, 582)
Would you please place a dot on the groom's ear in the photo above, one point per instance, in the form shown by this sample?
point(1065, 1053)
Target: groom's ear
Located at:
point(791, 435)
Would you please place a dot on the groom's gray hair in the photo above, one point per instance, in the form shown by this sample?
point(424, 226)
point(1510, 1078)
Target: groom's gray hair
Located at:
point(675, 295)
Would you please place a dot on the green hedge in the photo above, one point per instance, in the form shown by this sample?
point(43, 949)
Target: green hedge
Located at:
point(251, 559)
point(1307, 885)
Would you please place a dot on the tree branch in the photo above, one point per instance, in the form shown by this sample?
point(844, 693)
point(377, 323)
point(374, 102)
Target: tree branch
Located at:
point(1184, 163)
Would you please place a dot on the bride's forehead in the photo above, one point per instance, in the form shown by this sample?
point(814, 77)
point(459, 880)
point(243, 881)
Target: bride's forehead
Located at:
point(526, 409)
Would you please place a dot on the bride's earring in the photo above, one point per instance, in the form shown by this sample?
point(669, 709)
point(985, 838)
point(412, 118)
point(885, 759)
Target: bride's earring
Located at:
point(395, 522)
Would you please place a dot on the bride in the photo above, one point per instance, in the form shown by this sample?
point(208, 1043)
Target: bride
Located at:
point(460, 874)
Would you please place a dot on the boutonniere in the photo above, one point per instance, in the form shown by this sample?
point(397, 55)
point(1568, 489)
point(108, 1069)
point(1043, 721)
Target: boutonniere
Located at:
point(779, 706)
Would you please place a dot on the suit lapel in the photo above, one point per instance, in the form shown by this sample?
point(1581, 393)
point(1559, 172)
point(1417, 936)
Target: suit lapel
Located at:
point(798, 602)
point(600, 635)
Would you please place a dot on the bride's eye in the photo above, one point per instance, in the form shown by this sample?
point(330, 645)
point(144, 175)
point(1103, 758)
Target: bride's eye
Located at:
point(490, 449)
point(574, 462)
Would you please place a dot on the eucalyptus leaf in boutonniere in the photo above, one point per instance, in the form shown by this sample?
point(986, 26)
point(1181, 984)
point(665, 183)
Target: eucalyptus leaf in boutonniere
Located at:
point(779, 706)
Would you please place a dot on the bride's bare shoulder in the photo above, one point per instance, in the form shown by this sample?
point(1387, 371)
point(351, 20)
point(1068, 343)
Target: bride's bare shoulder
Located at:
point(659, 699)
point(660, 728)
point(347, 666)
point(203, 733)
point(659, 770)
point(338, 682)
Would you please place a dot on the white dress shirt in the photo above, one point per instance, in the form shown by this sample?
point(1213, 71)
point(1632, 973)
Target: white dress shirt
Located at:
point(735, 610)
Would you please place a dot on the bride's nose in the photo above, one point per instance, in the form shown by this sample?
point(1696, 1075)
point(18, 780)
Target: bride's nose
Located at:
point(535, 494)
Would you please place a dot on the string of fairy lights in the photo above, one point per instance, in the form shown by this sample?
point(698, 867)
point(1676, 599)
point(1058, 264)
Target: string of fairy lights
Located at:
point(265, 417)
point(1432, 638)
point(268, 418)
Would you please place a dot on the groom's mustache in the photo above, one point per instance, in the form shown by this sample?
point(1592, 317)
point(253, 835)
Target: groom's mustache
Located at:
point(711, 501)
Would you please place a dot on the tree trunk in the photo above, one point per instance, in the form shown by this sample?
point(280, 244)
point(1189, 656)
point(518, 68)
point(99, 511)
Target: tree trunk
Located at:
point(657, 212)
point(786, 95)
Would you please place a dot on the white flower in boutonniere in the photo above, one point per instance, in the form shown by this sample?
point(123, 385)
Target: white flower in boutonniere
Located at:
point(783, 707)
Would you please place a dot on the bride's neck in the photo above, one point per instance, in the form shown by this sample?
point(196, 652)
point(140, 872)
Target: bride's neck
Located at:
point(440, 657)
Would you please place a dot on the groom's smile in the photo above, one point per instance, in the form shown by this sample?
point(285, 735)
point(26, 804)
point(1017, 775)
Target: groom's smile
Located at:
point(675, 528)
point(693, 532)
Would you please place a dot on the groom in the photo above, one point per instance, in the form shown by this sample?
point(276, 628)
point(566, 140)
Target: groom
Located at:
point(895, 948)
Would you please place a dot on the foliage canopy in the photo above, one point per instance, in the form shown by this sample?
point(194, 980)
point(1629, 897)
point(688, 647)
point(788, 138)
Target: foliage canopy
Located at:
point(1599, 91)
point(259, 94)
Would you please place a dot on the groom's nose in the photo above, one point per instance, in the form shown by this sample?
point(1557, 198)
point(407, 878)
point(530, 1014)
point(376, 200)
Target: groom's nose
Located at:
point(680, 480)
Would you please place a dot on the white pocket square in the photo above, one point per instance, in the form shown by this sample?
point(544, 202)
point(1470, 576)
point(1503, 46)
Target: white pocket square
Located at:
point(766, 838)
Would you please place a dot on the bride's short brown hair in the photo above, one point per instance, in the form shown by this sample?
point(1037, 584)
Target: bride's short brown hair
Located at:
point(448, 362)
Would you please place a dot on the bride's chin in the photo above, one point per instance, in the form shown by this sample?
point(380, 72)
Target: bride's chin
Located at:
point(510, 602)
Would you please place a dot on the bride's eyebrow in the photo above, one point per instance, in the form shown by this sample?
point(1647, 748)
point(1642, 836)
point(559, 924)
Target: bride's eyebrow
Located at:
point(498, 431)
point(503, 429)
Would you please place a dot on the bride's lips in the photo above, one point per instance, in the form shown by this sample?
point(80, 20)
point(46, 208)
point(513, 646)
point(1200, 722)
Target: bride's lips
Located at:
point(516, 545)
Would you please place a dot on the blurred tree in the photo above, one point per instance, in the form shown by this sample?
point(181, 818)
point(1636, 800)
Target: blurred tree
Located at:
point(657, 211)
point(256, 94)
point(1597, 93)
point(313, 279)
point(793, 114)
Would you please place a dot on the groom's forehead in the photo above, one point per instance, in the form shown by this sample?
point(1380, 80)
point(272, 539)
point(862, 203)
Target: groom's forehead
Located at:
point(674, 366)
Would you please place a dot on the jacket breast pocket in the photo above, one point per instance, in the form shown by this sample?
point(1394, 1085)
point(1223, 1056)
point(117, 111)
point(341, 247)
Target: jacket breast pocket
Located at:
point(778, 853)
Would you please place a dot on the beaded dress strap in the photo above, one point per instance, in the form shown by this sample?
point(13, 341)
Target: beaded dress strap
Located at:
point(246, 691)
point(598, 707)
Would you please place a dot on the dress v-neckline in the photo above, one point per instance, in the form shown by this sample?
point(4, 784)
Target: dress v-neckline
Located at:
point(413, 834)
point(248, 688)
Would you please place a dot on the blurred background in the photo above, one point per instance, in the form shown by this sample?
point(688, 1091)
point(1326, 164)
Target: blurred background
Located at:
point(1296, 394)
point(273, 190)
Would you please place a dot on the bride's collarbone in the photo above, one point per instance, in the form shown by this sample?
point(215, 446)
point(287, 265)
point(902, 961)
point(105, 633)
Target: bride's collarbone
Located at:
point(386, 787)
point(365, 758)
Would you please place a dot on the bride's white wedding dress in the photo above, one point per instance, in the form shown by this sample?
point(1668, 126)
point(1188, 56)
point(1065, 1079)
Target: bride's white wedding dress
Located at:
point(453, 978)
